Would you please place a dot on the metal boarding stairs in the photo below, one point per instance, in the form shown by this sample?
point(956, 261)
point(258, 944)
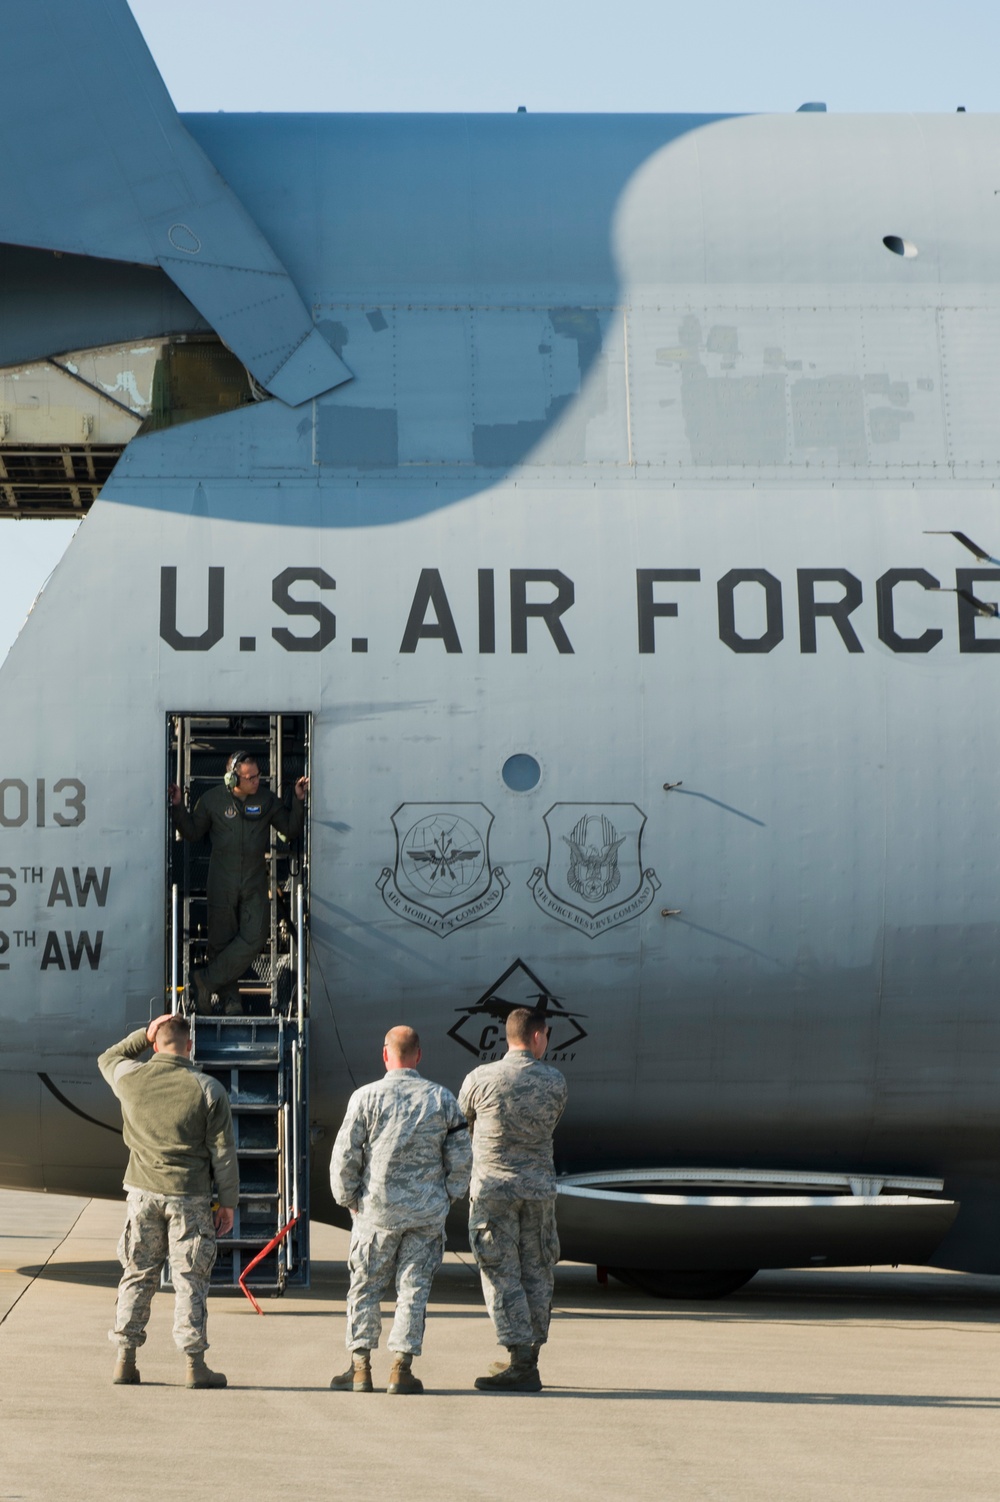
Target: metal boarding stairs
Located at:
point(263, 1064)
point(261, 1056)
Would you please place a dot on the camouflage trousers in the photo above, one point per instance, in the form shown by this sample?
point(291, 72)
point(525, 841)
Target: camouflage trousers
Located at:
point(178, 1226)
point(516, 1248)
point(377, 1258)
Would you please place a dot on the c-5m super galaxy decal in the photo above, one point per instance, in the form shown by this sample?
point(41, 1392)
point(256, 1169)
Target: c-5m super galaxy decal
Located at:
point(442, 879)
point(480, 1027)
point(594, 856)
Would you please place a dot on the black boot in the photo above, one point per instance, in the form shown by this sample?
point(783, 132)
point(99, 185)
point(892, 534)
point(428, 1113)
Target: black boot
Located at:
point(200, 994)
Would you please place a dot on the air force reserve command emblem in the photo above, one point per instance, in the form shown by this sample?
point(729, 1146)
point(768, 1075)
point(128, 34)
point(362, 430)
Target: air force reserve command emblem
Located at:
point(442, 879)
point(593, 879)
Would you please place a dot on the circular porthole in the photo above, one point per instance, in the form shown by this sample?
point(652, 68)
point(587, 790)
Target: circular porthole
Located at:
point(521, 773)
point(899, 246)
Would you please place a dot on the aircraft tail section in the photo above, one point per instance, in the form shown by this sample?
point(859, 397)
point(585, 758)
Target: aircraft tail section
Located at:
point(98, 163)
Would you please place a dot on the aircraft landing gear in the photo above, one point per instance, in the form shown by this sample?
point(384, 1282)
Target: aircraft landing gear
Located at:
point(697, 1283)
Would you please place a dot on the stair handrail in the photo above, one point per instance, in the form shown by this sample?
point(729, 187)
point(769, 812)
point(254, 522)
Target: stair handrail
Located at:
point(296, 1104)
point(289, 1167)
point(300, 961)
point(174, 908)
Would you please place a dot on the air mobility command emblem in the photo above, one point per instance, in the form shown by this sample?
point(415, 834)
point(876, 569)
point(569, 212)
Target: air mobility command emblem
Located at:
point(442, 879)
point(593, 879)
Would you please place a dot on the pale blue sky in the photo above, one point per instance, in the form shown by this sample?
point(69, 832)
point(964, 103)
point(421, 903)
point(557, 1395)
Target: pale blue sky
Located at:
point(703, 55)
point(648, 55)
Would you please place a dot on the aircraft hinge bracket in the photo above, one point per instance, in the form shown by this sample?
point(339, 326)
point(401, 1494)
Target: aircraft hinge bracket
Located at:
point(866, 1187)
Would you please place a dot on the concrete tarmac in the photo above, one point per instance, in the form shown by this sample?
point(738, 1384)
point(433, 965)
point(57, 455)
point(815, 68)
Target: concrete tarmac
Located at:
point(818, 1386)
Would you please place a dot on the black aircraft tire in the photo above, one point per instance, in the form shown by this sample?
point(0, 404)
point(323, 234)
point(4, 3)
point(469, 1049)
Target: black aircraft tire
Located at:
point(697, 1283)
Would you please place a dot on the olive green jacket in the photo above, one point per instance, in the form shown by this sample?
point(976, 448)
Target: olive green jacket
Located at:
point(240, 829)
point(177, 1123)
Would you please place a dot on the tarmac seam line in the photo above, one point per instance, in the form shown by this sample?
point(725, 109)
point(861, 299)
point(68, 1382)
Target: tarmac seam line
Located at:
point(44, 1265)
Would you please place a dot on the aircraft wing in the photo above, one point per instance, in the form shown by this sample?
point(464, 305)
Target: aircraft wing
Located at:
point(97, 162)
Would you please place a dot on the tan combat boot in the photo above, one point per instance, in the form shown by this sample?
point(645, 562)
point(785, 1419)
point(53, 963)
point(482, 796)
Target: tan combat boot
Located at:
point(401, 1378)
point(126, 1371)
point(199, 1375)
point(520, 1374)
point(501, 1366)
point(358, 1377)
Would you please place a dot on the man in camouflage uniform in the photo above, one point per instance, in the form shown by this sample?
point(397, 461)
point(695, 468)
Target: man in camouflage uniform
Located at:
point(239, 816)
point(179, 1129)
point(512, 1108)
point(401, 1157)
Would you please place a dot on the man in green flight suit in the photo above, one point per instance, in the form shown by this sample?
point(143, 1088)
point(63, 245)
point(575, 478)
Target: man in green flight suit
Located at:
point(239, 817)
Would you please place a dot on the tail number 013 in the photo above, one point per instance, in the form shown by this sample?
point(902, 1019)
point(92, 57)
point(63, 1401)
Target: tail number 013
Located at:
point(68, 797)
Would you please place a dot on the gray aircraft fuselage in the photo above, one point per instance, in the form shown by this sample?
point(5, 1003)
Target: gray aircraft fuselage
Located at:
point(635, 480)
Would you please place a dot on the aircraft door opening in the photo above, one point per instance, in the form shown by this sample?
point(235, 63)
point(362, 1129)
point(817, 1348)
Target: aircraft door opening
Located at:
point(199, 748)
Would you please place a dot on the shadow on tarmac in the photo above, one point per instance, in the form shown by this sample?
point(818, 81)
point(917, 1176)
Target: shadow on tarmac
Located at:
point(798, 1296)
point(810, 1399)
point(773, 1296)
point(89, 1274)
point(657, 1395)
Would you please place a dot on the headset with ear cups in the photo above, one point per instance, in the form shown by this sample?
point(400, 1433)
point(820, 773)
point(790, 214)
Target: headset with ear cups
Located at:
point(237, 759)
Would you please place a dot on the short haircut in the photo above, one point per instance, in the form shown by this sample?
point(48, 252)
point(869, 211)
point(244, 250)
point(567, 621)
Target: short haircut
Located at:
point(402, 1041)
point(176, 1030)
point(523, 1024)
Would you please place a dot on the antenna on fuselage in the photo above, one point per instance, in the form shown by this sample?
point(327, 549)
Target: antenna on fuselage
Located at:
point(966, 542)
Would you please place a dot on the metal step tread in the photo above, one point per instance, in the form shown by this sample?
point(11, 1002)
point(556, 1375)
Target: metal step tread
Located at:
point(228, 1023)
point(238, 1058)
point(234, 1062)
point(253, 1244)
point(220, 1286)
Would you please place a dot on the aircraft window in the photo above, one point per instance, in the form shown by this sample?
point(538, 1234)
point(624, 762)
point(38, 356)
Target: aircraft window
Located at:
point(521, 773)
point(65, 421)
point(194, 378)
point(899, 246)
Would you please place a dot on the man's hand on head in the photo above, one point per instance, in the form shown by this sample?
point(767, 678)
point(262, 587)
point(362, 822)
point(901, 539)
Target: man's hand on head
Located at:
point(151, 1029)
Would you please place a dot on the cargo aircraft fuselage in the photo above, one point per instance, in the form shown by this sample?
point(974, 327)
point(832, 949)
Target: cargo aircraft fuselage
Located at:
point(617, 578)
